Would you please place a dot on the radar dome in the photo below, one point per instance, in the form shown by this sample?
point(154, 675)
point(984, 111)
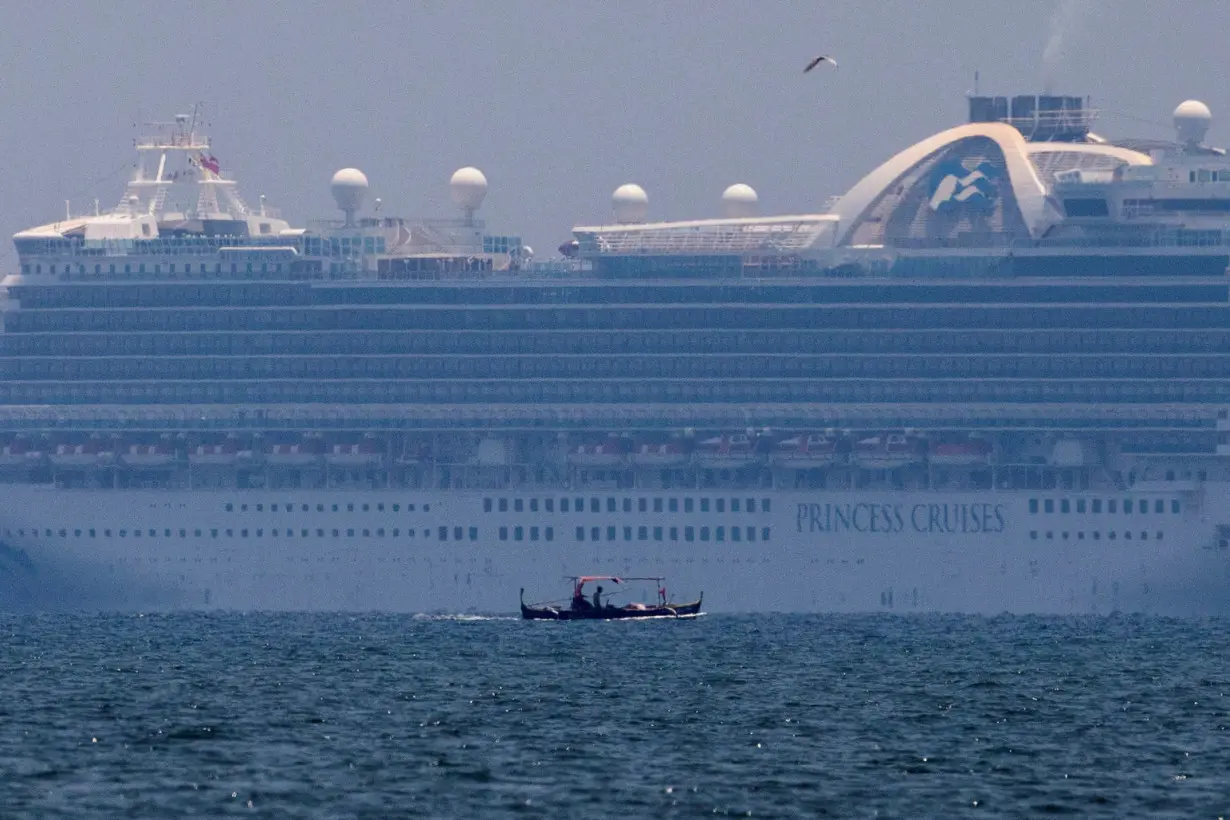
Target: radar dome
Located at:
point(469, 188)
point(739, 201)
point(631, 203)
point(349, 188)
point(1191, 121)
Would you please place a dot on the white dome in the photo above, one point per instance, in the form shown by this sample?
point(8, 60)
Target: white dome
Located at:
point(631, 203)
point(349, 188)
point(469, 188)
point(1191, 121)
point(739, 201)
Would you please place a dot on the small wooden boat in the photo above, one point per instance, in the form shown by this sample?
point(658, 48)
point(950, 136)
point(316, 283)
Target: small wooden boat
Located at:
point(582, 609)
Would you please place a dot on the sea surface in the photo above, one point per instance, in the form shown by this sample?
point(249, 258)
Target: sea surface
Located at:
point(267, 715)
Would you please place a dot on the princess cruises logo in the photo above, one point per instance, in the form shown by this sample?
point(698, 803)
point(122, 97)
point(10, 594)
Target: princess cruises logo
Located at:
point(955, 186)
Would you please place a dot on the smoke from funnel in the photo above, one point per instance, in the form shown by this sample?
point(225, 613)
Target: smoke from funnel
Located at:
point(1067, 24)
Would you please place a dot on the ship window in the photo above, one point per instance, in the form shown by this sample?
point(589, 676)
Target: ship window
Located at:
point(91, 533)
point(397, 507)
point(350, 532)
point(396, 532)
point(518, 505)
point(595, 533)
point(673, 505)
point(321, 508)
point(1159, 535)
point(687, 505)
point(533, 533)
point(76, 533)
point(367, 507)
point(610, 505)
point(549, 503)
point(610, 533)
point(704, 533)
point(518, 533)
point(442, 534)
point(580, 533)
point(1033, 505)
point(657, 533)
point(259, 508)
point(720, 504)
point(457, 533)
point(320, 533)
point(578, 504)
point(563, 504)
point(720, 534)
point(764, 533)
point(1159, 506)
point(751, 505)
point(674, 533)
point(751, 534)
point(486, 505)
point(627, 533)
point(533, 505)
point(350, 508)
point(765, 505)
point(230, 507)
point(657, 505)
point(550, 533)
point(1111, 535)
point(704, 505)
point(1127, 506)
point(1112, 505)
point(503, 533)
point(642, 533)
point(689, 534)
point(367, 533)
point(1049, 505)
point(627, 505)
point(734, 505)
point(1174, 507)
point(1097, 505)
point(1065, 506)
point(503, 505)
point(336, 533)
point(1080, 505)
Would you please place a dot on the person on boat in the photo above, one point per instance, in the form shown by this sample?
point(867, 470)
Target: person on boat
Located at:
point(578, 599)
point(598, 599)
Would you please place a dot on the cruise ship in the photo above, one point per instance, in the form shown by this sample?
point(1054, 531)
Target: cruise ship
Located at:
point(994, 376)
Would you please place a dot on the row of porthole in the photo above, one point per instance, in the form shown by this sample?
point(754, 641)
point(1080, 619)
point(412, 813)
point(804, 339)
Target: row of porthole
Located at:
point(350, 507)
point(612, 505)
point(1141, 506)
point(442, 533)
point(1096, 535)
point(689, 533)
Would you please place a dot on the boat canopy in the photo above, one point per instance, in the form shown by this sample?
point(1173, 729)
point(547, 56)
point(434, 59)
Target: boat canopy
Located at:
point(615, 579)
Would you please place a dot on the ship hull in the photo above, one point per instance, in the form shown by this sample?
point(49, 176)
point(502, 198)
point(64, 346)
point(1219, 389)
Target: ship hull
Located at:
point(796, 552)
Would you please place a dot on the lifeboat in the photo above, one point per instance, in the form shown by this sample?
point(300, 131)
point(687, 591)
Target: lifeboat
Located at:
point(93, 453)
point(148, 456)
point(607, 454)
point(656, 455)
point(726, 452)
point(805, 451)
point(367, 453)
point(887, 452)
point(305, 453)
point(215, 455)
point(19, 452)
point(967, 452)
point(413, 453)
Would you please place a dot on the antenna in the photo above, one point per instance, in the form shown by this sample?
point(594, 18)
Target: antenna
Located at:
point(976, 94)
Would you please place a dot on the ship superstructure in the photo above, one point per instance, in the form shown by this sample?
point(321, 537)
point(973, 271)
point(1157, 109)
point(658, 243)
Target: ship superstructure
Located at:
point(991, 376)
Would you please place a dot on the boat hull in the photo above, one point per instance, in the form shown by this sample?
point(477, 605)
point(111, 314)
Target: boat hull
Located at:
point(455, 551)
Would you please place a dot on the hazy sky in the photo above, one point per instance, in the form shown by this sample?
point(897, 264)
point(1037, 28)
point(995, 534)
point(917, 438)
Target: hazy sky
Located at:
point(560, 102)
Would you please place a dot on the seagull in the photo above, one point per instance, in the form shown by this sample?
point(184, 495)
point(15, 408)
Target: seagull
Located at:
point(817, 61)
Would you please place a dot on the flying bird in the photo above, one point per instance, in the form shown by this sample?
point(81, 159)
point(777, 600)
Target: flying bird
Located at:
point(817, 61)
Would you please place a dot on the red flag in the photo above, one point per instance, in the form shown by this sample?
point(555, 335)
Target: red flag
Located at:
point(210, 163)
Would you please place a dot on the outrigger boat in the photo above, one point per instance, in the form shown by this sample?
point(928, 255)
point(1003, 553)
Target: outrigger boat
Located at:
point(583, 609)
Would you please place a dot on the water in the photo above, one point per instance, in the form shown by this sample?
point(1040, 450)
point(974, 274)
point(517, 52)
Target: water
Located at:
point(767, 716)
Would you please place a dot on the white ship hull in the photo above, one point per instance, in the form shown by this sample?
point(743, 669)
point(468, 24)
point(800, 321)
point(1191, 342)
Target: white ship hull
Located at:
point(830, 551)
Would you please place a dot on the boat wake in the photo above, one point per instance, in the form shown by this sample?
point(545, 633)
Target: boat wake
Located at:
point(463, 617)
